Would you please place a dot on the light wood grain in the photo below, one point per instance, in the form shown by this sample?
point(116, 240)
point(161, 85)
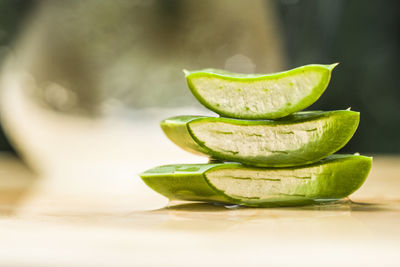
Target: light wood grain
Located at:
point(49, 221)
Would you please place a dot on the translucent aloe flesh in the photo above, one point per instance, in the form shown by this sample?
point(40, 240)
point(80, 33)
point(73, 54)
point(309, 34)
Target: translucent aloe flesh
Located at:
point(259, 96)
point(301, 138)
point(330, 179)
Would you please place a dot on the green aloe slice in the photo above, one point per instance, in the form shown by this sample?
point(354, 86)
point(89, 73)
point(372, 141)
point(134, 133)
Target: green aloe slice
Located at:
point(301, 138)
point(259, 96)
point(330, 179)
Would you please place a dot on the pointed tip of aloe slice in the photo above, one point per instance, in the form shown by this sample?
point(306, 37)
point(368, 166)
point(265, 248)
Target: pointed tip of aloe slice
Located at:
point(332, 66)
point(186, 72)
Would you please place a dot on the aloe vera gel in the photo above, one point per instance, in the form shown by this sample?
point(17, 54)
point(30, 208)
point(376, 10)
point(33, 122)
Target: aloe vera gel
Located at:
point(264, 160)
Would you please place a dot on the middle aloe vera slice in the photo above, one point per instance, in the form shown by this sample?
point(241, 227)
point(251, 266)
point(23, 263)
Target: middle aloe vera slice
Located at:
point(301, 138)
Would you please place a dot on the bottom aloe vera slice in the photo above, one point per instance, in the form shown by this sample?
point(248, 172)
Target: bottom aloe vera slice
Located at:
point(333, 178)
point(301, 138)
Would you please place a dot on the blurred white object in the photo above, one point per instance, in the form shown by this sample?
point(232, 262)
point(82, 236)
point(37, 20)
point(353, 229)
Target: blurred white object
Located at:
point(88, 82)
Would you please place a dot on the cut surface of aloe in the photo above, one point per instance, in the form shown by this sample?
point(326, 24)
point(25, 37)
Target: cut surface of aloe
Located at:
point(301, 138)
point(330, 179)
point(259, 96)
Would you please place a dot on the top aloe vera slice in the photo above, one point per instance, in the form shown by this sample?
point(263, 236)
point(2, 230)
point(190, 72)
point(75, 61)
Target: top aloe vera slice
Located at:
point(332, 178)
point(301, 138)
point(259, 96)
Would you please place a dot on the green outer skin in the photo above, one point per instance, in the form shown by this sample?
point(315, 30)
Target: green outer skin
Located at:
point(281, 112)
point(178, 130)
point(344, 174)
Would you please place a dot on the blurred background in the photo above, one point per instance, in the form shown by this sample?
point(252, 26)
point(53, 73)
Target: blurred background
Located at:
point(84, 84)
point(89, 80)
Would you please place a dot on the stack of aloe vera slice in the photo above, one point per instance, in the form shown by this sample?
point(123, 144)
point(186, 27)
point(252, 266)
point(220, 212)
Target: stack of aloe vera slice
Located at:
point(264, 150)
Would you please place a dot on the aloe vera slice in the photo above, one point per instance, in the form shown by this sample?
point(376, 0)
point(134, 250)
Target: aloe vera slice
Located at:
point(330, 179)
point(259, 96)
point(301, 138)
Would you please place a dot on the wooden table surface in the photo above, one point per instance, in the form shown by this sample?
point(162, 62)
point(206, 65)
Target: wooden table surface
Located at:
point(48, 221)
